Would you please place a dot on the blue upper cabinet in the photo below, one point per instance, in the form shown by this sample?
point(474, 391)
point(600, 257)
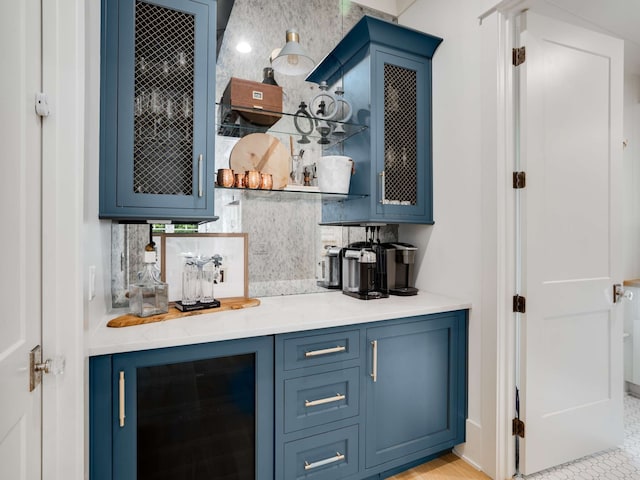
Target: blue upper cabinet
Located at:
point(386, 73)
point(157, 103)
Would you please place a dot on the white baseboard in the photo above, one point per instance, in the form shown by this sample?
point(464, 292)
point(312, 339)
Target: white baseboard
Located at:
point(471, 450)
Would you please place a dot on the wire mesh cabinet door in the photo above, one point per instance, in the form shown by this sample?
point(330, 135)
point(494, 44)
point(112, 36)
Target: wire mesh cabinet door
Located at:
point(402, 139)
point(157, 100)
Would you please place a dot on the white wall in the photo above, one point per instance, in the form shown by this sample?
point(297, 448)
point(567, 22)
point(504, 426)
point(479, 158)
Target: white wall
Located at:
point(64, 403)
point(97, 233)
point(456, 253)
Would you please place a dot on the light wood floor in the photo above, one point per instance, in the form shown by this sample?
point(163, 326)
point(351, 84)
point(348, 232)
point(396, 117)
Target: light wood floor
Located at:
point(447, 467)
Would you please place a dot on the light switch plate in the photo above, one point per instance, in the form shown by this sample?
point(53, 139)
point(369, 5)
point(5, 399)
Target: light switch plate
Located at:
point(92, 282)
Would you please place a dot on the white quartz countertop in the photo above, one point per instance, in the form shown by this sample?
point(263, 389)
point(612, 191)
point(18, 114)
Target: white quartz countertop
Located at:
point(274, 315)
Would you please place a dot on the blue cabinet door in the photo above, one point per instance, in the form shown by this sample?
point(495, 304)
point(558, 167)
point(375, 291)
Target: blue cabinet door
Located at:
point(157, 110)
point(415, 388)
point(401, 138)
point(199, 411)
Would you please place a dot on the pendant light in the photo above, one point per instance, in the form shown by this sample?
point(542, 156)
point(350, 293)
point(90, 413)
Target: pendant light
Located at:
point(292, 59)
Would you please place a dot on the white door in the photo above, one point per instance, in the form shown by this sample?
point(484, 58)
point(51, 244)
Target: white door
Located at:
point(20, 239)
point(571, 382)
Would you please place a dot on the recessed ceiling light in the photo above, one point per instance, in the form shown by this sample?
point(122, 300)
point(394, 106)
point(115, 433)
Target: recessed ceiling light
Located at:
point(243, 47)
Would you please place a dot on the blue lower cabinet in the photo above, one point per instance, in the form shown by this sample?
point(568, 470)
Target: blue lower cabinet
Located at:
point(354, 402)
point(415, 389)
point(400, 397)
point(199, 411)
point(326, 456)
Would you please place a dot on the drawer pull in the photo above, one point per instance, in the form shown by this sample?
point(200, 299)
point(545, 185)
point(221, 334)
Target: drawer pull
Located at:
point(322, 401)
point(339, 457)
point(121, 399)
point(325, 351)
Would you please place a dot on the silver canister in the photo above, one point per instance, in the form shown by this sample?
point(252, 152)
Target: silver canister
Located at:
point(331, 276)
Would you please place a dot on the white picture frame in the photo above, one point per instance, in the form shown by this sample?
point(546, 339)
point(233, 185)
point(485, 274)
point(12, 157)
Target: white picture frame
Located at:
point(232, 247)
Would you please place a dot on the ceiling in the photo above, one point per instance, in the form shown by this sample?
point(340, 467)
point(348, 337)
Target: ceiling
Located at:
point(619, 18)
point(392, 7)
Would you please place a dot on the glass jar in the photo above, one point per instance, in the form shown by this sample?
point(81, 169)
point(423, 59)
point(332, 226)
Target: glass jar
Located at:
point(149, 295)
point(190, 282)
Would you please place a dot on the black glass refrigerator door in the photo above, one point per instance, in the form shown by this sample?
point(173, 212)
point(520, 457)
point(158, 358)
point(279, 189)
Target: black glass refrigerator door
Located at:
point(196, 420)
point(193, 412)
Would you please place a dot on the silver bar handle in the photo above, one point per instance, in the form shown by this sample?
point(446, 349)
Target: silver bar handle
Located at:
point(339, 457)
point(374, 366)
point(200, 175)
point(383, 194)
point(121, 398)
point(322, 401)
point(325, 351)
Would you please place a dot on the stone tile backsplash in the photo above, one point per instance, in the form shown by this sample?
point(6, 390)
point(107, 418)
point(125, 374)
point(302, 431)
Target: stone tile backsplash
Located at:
point(285, 240)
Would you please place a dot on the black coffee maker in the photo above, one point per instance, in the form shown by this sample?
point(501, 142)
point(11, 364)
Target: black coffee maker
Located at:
point(402, 281)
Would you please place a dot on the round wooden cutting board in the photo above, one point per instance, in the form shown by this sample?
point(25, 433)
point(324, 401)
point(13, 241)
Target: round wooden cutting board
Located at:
point(265, 153)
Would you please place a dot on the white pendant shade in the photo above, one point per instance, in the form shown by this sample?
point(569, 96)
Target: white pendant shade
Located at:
point(292, 59)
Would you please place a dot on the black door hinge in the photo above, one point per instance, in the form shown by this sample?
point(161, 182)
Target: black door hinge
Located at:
point(518, 56)
point(519, 179)
point(519, 304)
point(517, 427)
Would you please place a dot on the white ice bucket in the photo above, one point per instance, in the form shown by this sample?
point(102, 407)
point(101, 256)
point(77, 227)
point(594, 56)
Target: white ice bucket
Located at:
point(334, 173)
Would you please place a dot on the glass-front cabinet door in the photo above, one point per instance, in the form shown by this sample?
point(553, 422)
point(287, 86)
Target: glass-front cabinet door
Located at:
point(400, 148)
point(194, 413)
point(158, 87)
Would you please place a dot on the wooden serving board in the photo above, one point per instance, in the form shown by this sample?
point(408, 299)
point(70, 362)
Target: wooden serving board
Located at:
point(232, 303)
point(264, 153)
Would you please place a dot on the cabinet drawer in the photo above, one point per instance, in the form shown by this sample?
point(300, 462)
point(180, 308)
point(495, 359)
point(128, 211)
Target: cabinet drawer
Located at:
point(318, 399)
point(300, 352)
point(326, 456)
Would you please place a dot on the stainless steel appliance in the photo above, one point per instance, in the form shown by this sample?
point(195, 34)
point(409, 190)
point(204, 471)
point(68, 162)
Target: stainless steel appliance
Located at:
point(403, 280)
point(359, 273)
point(331, 268)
